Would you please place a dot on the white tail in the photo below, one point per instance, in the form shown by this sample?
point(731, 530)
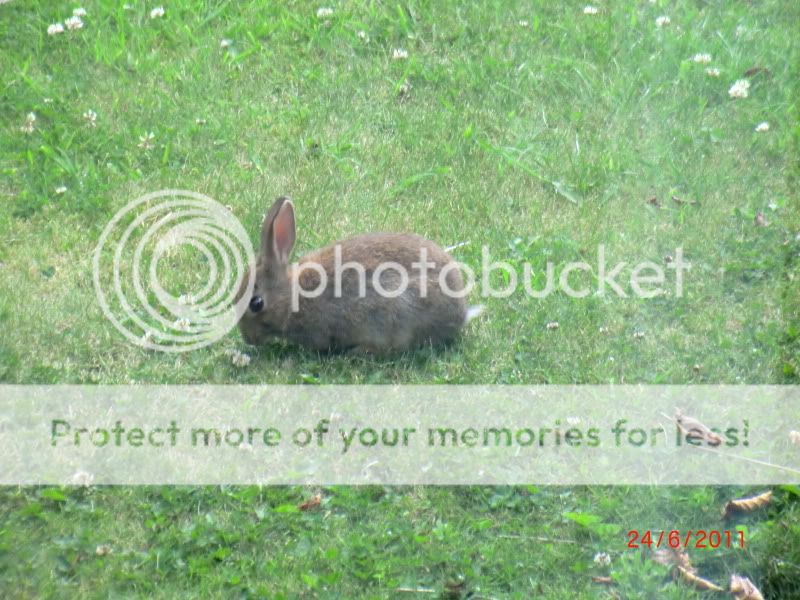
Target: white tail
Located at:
point(472, 312)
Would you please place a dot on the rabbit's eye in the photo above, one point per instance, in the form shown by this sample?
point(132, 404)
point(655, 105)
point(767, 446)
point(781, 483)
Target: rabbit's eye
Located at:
point(256, 303)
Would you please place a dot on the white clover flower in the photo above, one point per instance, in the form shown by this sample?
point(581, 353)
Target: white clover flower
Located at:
point(55, 29)
point(524, 23)
point(239, 359)
point(663, 21)
point(48, 100)
point(79, 12)
point(62, 189)
point(762, 127)
point(702, 58)
point(399, 54)
point(324, 12)
point(157, 12)
point(602, 558)
point(91, 118)
point(740, 30)
point(590, 10)
point(225, 43)
point(362, 35)
point(30, 123)
point(552, 325)
point(146, 141)
point(712, 72)
point(73, 23)
point(82, 478)
point(638, 335)
point(182, 324)
point(740, 89)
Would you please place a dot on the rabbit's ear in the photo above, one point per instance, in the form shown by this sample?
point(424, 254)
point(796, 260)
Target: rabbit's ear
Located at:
point(278, 232)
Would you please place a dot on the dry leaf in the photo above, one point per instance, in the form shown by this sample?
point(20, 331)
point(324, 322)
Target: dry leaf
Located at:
point(681, 202)
point(664, 556)
point(746, 504)
point(654, 201)
point(312, 503)
point(743, 589)
point(756, 70)
point(694, 429)
point(673, 557)
point(454, 589)
point(683, 569)
point(760, 220)
point(697, 581)
point(603, 580)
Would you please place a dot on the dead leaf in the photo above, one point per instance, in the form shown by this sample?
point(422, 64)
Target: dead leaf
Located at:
point(760, 220)
point(454, 589)
point(602, 580)
point(673, 557)
point(311, 503)
point(756, 70)
point(654, 201)
point(694, 429)
point(697, 581)
point(404, 90)
point(743, 589)
point(746, 504)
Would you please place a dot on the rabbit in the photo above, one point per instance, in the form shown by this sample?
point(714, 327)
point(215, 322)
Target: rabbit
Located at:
point(358, 318)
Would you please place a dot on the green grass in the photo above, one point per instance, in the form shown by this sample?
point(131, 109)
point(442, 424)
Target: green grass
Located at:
point(539, 141)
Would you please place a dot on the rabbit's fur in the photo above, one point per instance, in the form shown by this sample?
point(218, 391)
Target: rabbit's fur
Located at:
point(366, 322)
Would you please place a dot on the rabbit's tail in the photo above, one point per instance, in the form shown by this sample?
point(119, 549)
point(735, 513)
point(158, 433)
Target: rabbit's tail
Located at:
point(472, 312)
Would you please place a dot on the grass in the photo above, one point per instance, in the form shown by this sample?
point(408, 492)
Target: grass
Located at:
point(538, 140)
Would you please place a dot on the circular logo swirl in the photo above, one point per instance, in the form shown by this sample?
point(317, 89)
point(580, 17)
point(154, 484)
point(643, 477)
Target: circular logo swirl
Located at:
point(168, 267)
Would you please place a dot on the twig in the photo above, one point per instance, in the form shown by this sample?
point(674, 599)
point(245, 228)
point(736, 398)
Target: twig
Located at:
point(537, 538)
point(456, 246)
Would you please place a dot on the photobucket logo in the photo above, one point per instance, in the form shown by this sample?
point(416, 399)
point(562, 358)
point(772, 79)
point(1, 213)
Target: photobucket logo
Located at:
point(499, 279)
point(167, 268)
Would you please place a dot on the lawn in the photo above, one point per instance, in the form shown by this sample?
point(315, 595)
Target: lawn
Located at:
point(531, 128)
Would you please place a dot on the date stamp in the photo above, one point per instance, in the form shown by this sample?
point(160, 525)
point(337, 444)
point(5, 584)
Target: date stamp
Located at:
point(702, 539)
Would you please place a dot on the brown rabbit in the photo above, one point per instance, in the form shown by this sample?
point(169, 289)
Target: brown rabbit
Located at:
point(304, 303)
